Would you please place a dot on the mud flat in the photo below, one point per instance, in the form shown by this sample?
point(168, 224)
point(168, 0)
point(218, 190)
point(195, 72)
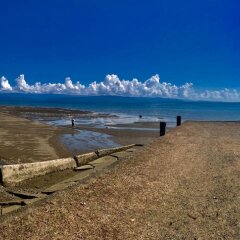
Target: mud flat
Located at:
point(184, 185)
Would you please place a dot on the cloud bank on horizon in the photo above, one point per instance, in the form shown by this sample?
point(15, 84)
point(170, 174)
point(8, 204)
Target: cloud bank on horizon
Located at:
point(114, 86)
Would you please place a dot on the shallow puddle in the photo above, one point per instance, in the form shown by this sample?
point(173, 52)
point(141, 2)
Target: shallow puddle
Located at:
point(86, 141)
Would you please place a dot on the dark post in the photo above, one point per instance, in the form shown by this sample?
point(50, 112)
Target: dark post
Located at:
point(179, 120)
point(162, 128)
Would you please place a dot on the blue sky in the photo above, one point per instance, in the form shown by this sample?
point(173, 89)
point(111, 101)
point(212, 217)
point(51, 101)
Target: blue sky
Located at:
point(182, 41)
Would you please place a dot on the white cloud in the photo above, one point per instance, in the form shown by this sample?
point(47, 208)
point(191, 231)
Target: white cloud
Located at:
point(112, 85)
point(5, 86)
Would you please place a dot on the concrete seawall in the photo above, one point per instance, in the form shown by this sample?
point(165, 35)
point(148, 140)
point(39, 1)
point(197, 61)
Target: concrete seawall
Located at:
point(12, 174)
point(85, 158)
point(105, 152)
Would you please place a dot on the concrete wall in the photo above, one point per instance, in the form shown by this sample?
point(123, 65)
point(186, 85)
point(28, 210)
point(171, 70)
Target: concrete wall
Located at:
point(85, 158)
point(88, 157)
point(105, 152)
point(12, 174)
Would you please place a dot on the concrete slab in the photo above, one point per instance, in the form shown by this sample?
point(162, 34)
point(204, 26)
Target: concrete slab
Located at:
point(57, 187)
point(13, 202)
point(103, 162)
point(31, 201)
point(9, 209)
point(24, 195)
point(99, 164)
point(84, 167)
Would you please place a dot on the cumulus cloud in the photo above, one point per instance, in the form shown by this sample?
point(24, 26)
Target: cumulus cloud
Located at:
point(113, 85)
point(5, 86)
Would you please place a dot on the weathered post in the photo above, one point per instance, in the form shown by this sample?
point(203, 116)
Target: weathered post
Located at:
point(162, 128)
point(179, 120)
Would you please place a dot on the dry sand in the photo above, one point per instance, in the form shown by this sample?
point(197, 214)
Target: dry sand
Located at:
point(181, 186)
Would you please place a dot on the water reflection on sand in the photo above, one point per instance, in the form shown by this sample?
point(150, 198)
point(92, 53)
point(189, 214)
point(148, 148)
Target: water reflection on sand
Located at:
point(85, 141)
point(90, 140)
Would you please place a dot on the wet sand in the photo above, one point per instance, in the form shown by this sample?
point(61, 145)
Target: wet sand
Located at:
point(125, 136)
point(43, 142)
point(22, 140)
point(47, 113)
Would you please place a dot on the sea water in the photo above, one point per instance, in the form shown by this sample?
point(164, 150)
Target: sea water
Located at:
point(152, 109)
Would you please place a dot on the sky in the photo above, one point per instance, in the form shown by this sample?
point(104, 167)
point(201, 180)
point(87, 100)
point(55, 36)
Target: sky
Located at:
point(194, 42)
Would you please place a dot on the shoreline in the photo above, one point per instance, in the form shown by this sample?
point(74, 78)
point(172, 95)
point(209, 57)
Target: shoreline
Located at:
point(92, 130)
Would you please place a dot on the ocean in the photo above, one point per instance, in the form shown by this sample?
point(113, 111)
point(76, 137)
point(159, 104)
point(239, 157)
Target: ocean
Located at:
point(151, 109)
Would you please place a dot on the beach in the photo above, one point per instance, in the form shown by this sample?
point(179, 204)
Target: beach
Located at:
point(28, 135)
point(184, 185)
point(120, 120)
point(50, 135)
point(23, 140)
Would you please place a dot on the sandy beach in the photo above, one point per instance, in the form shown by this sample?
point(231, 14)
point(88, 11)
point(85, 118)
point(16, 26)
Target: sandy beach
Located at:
point(23, 140)
point(44, 138)
point(26, 136)
point(184, 185)
point(120, 120)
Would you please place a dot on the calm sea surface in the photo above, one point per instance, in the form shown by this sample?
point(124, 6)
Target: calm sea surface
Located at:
point(149, 108)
